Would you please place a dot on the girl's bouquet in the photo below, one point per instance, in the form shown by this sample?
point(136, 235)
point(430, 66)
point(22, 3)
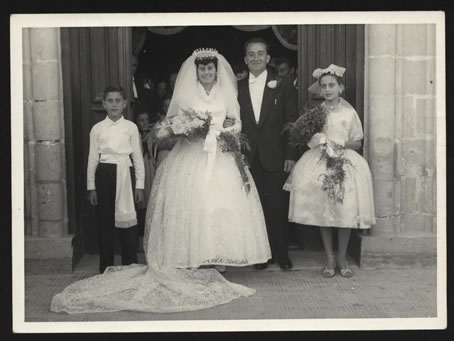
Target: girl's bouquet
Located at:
point(311, 122)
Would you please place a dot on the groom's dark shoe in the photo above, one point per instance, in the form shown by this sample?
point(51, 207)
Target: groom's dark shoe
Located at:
point(261, 266)
point(286, 264)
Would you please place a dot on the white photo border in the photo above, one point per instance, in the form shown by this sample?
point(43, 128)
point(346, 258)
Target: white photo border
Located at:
point(19, 21)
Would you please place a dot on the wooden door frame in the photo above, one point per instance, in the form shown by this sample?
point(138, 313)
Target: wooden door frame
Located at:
point(125, 60)
point(73, 217)
point(72, 85)
point(355, 49)
point(357, 46)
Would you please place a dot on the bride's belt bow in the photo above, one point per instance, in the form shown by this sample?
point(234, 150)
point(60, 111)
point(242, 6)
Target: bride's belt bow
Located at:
point(210, 147)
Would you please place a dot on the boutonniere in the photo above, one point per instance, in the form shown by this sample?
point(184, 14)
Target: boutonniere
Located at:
point(272, 84)
point(147, 86)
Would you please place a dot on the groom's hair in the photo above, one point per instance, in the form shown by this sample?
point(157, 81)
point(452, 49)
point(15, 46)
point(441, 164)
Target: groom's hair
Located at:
point(257, 40)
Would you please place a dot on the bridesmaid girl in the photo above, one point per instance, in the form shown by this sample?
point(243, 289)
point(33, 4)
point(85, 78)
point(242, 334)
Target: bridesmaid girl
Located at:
point(309, 202)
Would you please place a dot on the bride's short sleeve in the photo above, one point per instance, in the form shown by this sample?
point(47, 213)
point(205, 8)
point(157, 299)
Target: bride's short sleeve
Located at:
point(356, 129)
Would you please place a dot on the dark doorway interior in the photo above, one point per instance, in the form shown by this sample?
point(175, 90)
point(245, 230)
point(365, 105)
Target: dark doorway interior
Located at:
point(163, 54)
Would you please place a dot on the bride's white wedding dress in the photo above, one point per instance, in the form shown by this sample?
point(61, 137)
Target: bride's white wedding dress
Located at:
point(198, 213)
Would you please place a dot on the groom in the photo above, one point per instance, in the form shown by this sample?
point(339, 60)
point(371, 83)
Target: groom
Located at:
point(266, 105)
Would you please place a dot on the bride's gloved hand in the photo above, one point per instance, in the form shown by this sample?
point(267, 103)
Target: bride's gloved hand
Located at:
point(316, 140)
point(228, 122)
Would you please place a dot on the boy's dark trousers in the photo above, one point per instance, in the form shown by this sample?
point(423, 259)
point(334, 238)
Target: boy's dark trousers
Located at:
point(105, 181)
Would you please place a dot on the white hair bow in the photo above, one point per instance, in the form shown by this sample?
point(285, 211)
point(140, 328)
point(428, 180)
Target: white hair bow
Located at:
point(333, 69)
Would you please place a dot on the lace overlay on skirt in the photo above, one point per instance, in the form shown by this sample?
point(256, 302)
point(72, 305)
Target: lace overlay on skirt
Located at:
point(190, 222)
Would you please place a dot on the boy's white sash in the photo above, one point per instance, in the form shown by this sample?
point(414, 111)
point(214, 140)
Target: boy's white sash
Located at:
point(125, 212)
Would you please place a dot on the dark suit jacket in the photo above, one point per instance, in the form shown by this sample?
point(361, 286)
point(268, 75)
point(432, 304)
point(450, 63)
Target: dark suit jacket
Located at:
point(279, 106)
point(146, 101)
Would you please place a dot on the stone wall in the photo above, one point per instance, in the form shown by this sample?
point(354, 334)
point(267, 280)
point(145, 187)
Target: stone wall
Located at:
point(47, 244)
point(400, 124)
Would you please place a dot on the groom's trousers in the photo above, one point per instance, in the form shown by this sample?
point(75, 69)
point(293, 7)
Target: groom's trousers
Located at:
point(275, 207)
point(105, 181)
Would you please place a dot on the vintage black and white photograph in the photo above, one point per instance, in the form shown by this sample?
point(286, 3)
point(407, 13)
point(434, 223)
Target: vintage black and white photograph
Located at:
point(209, 172)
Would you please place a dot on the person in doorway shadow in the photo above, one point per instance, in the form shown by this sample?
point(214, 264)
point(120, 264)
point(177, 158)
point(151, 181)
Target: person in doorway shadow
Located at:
point(144, 97)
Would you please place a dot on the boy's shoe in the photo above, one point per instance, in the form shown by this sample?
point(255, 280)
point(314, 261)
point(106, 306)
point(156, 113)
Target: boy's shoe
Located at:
point(220, 268)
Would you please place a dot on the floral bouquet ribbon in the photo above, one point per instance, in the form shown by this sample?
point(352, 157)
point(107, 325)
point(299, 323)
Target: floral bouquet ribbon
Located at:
point(210, 147)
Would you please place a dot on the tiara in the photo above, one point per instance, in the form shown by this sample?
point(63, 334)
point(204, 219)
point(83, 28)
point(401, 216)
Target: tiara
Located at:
point(332, 69)
point(205, 53)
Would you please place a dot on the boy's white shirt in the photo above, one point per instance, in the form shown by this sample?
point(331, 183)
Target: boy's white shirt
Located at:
point(112, 142)
point(108, 138)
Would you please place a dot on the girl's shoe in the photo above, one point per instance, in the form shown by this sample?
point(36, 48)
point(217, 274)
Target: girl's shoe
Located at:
point(343, 268)
point(346, 272)
point(328, 273)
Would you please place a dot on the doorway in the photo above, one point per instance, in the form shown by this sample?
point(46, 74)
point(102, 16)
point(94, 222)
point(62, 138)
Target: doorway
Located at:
point(92, 58)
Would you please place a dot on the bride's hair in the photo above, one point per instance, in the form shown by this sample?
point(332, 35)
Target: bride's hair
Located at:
point(206, 60)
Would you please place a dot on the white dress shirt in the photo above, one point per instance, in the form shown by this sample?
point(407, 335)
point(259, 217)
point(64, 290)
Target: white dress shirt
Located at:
point(256, 89)
point(134, 89)
point(110, 141)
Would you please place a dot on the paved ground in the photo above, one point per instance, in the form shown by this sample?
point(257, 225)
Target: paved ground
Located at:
point(298, 294)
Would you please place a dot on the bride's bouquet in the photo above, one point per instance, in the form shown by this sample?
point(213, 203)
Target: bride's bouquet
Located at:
point(189, 125)
point(311, 122)
point(192, 126)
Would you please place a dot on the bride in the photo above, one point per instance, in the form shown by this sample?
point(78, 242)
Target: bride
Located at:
point(199, 213)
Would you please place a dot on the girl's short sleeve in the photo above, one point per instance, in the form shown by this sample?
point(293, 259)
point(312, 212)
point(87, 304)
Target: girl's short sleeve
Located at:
point(356, 129)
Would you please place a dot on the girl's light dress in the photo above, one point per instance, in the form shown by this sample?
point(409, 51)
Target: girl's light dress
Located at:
point(309, 203)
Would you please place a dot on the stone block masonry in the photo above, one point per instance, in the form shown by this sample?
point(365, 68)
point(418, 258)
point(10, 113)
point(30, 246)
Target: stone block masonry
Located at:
point(401, 145)
point(46, 236)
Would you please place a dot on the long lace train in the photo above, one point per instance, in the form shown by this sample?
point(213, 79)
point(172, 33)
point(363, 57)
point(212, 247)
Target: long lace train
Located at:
point(189, 223)
point(140, 288)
